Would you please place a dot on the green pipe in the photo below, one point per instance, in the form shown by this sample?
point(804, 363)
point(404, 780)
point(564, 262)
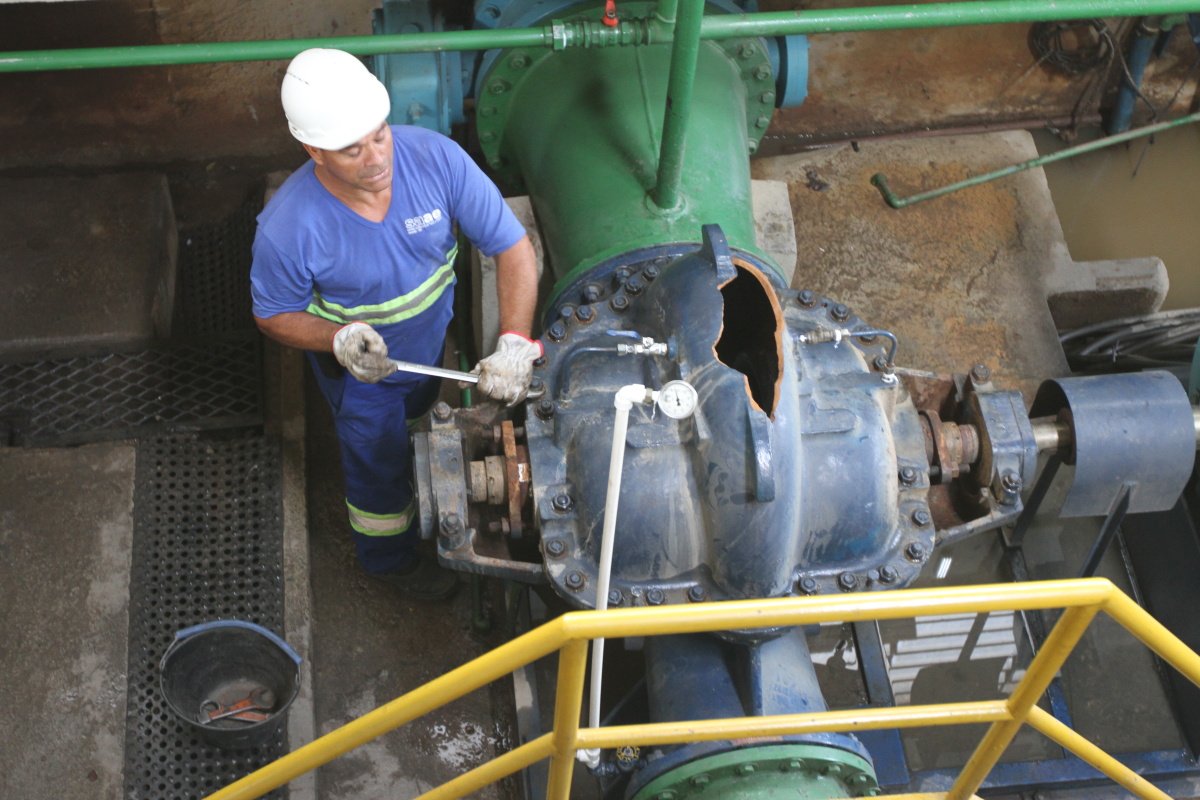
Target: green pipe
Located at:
point(681, 80)
point(893, 200)
point(933, 15)
point(576, 34)
point(165, 54)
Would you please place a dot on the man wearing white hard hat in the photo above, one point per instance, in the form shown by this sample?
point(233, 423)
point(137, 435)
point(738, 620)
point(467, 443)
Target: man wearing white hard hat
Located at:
point(353, 262)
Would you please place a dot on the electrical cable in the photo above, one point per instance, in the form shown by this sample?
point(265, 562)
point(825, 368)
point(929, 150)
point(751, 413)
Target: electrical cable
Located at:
point(1048, 40)
point(1163, 340)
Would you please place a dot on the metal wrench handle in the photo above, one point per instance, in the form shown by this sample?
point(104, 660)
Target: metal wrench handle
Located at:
point(421, 369)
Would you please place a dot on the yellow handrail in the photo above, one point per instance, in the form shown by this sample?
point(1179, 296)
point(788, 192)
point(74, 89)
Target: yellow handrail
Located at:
point(1082, 599)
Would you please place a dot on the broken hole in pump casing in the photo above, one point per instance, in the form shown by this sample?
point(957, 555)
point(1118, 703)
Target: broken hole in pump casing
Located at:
point(750, 335)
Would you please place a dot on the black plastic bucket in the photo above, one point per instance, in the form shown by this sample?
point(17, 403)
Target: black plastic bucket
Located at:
point(217, 668)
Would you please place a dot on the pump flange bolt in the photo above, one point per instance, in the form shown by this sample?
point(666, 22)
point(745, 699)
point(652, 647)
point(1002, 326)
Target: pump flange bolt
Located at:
point(591, 293)
point(575, 580)
point(634, 285)
point(916, 552)
point(921, 517)
point(442, 411)
point(888, 574)
point(620, 303)
point(650, 272)
point(615, 598)
point(762, 122)
point(980, 373)
point(544, 408)
point(562, 502)
point(557, 332)
point(1011, 482)
point(762, 73)
point(556, 547)
point(840, 312)
point(655, 597)
point(518, 62)
point(747, 51)
point(566, 311)
point(585, 314)
point(847, 581)
point(808, 585)
point(451, 523)
point(807, 298)
point(697, 594)
point(539, 362)
point(908, 475)
point(880, 363)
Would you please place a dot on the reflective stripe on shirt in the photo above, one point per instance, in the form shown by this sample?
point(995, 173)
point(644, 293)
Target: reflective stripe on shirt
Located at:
point(397, 310)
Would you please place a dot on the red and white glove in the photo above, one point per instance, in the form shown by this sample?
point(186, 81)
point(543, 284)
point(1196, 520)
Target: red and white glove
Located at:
point(359, 348)
point(505, 374)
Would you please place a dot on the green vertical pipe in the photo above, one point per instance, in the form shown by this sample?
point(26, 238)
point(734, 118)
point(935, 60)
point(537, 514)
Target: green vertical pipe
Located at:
point(584, 134)
point(682, 78)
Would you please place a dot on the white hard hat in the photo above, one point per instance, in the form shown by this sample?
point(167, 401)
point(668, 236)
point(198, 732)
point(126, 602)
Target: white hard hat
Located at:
point(331, 100)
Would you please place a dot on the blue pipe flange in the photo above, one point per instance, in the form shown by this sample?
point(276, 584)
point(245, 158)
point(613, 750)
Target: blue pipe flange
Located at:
point(789, 60)
point(427, 89)
point(1134, 429)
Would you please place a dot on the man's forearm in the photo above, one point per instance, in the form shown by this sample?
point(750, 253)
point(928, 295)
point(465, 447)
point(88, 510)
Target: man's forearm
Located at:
point(516, 287)
point(300, 329)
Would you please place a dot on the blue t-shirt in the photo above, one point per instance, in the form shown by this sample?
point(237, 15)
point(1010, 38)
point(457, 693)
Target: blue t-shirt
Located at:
point(312, 253)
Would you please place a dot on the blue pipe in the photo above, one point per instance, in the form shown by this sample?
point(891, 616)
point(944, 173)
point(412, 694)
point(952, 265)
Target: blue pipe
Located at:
point(1139, 57)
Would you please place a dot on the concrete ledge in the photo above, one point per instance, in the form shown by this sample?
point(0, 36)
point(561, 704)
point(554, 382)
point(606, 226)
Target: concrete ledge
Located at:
point(774, 225)
point(1086, 292)
point(88, 262)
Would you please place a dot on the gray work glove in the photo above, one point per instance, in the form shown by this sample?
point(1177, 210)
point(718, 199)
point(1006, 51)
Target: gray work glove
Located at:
point(505, 374)
point(359, 348)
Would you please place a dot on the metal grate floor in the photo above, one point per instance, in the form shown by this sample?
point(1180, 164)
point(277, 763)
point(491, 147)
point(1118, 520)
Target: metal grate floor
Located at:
point(211, 380)
point(122, 395)
point(213, 288)
point(207, 545)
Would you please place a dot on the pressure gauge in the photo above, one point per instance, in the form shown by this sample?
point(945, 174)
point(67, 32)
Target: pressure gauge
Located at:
point(678, 399)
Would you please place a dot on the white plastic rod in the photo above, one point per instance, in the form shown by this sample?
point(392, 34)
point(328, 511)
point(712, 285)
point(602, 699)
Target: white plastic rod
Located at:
point(625, 398)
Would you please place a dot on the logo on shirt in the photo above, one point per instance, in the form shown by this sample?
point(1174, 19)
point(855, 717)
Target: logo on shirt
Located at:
point(422, 221)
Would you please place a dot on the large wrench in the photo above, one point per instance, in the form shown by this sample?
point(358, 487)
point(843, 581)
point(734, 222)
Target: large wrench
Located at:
point(421, 369)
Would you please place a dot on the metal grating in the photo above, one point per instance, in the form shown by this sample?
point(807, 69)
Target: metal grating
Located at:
point(122, 395)
point(213, 275)
point(207, 545)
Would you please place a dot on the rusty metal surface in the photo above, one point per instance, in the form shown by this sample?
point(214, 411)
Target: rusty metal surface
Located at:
point(956, 279)
point(863, 85)
point(516, 476)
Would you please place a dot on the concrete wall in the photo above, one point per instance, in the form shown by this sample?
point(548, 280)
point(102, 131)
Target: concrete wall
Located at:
point(155, 115)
